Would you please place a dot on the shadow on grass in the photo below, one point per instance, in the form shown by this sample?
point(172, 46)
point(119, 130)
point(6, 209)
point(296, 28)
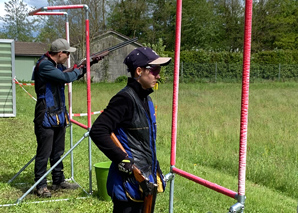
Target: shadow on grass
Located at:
point(21, 181)
point(24, 181)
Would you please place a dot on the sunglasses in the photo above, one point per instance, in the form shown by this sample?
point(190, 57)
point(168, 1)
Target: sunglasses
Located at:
point(67, 53)
point(154, 69)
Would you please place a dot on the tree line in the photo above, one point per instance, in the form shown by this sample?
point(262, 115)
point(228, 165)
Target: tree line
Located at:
point(209, 25)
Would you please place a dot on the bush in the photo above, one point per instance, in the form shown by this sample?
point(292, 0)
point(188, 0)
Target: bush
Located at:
point(121, 79)
point(217, 66)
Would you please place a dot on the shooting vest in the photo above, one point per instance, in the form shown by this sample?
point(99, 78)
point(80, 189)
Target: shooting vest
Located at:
point(52, 94)
point(139, 141)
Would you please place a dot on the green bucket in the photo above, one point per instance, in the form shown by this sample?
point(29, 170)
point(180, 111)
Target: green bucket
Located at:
point(102, 171)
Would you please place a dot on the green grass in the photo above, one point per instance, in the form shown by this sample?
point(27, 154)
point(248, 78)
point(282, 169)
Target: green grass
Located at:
point(207, 146)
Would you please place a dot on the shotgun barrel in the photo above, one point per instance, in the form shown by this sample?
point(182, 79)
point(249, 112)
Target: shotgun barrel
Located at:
point(116, 47)
point(102, 53)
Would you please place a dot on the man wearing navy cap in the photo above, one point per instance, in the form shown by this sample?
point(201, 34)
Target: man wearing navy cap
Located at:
point(130, 115)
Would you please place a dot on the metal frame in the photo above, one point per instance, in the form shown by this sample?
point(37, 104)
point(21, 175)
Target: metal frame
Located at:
point(68, 65)
point(69, 84)
point(240, 196)
point(88, 127)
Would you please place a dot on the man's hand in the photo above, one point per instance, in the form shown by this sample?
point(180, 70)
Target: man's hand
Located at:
point(126, 165)
point(83, 71)
point(96, 59)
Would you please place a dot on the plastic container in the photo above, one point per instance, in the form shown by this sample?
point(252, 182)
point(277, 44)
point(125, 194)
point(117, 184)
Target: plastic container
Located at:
point(102, 171)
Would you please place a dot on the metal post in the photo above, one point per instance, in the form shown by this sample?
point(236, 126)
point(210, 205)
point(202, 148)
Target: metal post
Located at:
point(88, 76)
point(175, 95)
point(69, 101)
point(239, 206)
point(170, 177)
point(171, 203)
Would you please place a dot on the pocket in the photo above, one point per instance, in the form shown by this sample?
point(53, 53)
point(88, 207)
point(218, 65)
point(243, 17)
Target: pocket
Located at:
point(50, 120)
point(54, 119)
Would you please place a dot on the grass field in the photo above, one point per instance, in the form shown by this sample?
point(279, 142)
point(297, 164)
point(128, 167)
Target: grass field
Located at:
point(207, 146)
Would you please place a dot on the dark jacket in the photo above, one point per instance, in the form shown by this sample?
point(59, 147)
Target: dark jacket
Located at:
point(50, 110)
point(131, 116)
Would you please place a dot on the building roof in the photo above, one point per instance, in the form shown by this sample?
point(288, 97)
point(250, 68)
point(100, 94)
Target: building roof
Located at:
point(114, 33)
point(30, 48)
point(38, 49)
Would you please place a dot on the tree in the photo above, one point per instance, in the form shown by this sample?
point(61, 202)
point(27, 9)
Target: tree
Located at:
point(199, 25)
point(17, 24)
point(230, 15)
point(283, 22)
point(259, 25)
point(130, 17)
point(275, 25)
point(162, 23)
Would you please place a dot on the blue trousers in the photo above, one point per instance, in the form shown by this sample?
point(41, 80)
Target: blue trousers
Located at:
point(50, 145)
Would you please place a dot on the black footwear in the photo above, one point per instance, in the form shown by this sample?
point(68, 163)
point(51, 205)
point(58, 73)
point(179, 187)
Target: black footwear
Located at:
point(65, 185)
point(43, 192)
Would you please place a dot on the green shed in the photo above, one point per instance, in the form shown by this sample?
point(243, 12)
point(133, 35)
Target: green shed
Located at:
point(26, 56)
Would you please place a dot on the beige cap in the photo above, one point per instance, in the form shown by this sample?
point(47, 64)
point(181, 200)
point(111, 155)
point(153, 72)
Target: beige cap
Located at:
point(61, 44)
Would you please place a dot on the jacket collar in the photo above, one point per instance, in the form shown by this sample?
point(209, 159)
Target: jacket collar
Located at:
point(47, 54)
point(137, 87)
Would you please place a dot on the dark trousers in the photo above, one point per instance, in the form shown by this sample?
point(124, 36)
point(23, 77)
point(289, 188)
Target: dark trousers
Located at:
point(50, 144)
point(127, 206)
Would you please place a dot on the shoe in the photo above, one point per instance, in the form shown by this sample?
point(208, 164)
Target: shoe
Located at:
point(43, 192)
point(65, 185)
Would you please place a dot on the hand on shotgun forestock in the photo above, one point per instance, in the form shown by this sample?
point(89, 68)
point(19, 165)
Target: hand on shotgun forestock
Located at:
point(82, 69)
point(125, 165)
point(96, 59)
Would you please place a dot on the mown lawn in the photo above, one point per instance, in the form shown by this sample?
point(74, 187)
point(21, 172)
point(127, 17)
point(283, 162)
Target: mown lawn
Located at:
point(207, 146)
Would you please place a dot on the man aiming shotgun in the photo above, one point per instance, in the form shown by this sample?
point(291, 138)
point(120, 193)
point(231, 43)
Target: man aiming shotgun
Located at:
point(134, 174)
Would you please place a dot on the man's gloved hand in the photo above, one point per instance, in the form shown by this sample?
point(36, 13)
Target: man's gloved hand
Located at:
point(95, 60)
point(126, 165)
point(83, 71)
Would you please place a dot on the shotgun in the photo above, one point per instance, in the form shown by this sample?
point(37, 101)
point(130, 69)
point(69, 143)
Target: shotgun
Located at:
point(149, 200)
point(101, 54)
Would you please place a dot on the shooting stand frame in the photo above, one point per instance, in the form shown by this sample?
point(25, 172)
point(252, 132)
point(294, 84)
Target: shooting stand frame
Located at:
point(240, 196)
point(88, 126)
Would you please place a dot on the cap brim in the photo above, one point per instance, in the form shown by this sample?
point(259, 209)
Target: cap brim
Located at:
point(162, 61)
point(71, 49)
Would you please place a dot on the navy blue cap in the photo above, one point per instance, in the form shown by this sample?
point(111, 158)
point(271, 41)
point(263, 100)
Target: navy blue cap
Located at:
point(143, 56)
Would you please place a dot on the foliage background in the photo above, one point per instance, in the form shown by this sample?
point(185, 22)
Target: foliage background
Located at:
point(211, 25)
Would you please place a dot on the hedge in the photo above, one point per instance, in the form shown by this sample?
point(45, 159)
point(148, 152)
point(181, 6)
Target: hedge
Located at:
point(215, 66)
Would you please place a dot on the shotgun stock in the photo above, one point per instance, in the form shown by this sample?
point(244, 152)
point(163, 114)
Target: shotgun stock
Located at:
point(149, 200)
